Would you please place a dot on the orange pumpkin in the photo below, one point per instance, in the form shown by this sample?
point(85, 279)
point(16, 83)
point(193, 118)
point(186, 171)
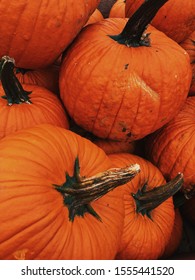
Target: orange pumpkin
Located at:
point(118, 9)
point(171, 148)
point(176, 236)
point(189, 46)
point(95, 17)
point(129, 85)
point(149, 210)
point(175, 20)
point(35, 33)
point(28, 105)
point(105, 6)
point(48, 210)
point(47, 77)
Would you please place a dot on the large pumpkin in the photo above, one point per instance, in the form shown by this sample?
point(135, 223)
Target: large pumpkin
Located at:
point(36, 32)
point(149, 210)
point(171, 148)
point(176, 19)
point(129, 84)
point(48, 210)
point(27, 105)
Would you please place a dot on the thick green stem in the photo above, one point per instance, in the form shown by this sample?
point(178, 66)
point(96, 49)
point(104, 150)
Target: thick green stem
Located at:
point(78, 192)
point(133, 32)
point(14, 92)
point(146, 201)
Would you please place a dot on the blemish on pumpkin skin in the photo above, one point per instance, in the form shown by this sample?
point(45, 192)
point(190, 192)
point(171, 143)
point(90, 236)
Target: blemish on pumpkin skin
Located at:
point(129, 134)
point(126, 66)
point(20, 254)
point(124, 129)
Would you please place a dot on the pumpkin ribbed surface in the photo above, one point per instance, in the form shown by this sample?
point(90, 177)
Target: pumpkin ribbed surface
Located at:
point(33, 217)
point(36, 32)
point(123, 93)
point(143, 237)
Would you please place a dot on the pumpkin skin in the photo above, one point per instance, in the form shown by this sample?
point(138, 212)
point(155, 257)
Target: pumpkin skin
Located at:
point(35, 33)
point(118, 9)
point(47, 77)
point(173, 19)
point(171, 148)
point(189, 46)
point(95, 17)
point(131, 91)
point(34, 219)
point(143, 237)
point(176, 236)
point(45, 108)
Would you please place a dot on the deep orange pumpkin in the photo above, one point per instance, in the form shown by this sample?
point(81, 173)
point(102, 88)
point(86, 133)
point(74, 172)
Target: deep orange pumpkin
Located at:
point(47, 77)
point(176, 18)
point(176, 236)
point(189, 46)
point(105, 6)
point(171, 148)
point(46, 206)
point(95, 17)
point(28, 105)
point(129, 85)
point(35, 33)
point(118, 9)
point(148, 221)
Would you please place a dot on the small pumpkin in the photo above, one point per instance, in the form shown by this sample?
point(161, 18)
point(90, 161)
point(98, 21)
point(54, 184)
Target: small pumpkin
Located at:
point(189, 46)
point(149, 210)
point(35, 33)
point(105, 6)
point(171, 148)
point(95, 17)
point(54, 196)
point(118, 9)
point(46, 77)
point(27, 105)
point(174, 19)
point(129, 84)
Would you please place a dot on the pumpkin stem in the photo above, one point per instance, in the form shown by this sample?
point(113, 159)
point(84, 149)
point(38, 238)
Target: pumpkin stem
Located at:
point(149, 200)
point(133, 32)
point(15, 94)
point(78, 191)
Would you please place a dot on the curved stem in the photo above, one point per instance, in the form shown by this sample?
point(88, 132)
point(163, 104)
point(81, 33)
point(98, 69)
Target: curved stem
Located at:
point(79, 191)
point(13, 89)
point(149, 200)
point(132, 34)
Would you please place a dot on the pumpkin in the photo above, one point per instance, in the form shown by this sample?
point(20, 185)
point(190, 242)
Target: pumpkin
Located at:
point(46, 77)
point(129, 85)
point(108, 146)
point(35, 33)
point(95, 17)
point(28, 105)
point(176, 236)
point(105, 6)
point(54, 196)
point(118, 9)
point(149, 210)
point(171, 148)
point(175, 20)
point(189, 46)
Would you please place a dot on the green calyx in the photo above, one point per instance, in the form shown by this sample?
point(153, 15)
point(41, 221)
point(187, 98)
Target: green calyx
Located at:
point(14, 92)
point(78, 191)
